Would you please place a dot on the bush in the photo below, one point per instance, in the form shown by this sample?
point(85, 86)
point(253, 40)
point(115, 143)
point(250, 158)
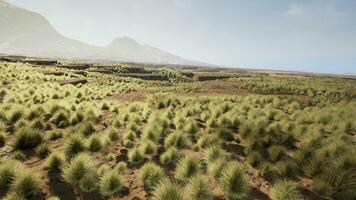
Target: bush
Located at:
point(113, 134)
point(54, 162)
point(148, 147)
point(87, 129)
point(27, 183)
point(15, 116)
point(285, 190)
point(176, 139)
point(215, 152)
point(73, 145)
point(89, 182)
point(94, 143)
point(14, 196)
point(120, 167)
point(135, 156)
point(167, 190)
point(150, 175)
point(79, 167)
point(8, 170)
point(26, 138)
point(61, 119)
point(208, 140)
point(18, 155)
point(110, 183)
point(215, 167)
point(275, 152)
point(42, 150)
point(187, 167)
point(322, 187)
point(234, 181)
point(110, 157)
point(197, 189)
point(169, 156)
point(55, 135)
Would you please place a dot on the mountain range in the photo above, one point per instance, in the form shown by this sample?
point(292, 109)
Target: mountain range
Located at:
point(23, 32)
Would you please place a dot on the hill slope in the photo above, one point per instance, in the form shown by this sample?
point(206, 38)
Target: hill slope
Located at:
point(28, 33)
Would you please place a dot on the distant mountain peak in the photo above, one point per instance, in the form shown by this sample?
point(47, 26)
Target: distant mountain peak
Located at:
point(123, 41)
point(6, 4)
point(30, 34)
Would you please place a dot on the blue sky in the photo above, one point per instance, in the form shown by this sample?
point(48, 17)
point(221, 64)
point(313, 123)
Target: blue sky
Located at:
point(299, 35)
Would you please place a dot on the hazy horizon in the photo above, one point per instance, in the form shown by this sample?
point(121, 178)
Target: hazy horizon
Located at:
point(311, 36)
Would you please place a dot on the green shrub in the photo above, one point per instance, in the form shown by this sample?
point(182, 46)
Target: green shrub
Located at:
point(215, 167)
point(60, 119)
point(27, 183)
point(187, 167)
point(80, 166)
point(110, 183)
point(42, 150)
point(169, 156)
point(285, 190)
point(8, 170)
point(275, 152)
point(103, 169)
point(89, 182)
point(94, 143)
point(14, 196)
point(120, 167)
point(167, 190)
point(148, 147)
point(208, 140)
point(55, 135)
point(113, 134)
point(110, 157)
point(38, 124)
point(18, 155)
point(214, 152)
point(322, 187)
point(150, 175)
point(176, 139)
point(73, 145)
point(86, 128)
point(26, 138)
point(15, 116)
point(135, 156)
point(54, 162)
point(53, 198)
point(198, 189)
point(234, 181)
point(254, 158)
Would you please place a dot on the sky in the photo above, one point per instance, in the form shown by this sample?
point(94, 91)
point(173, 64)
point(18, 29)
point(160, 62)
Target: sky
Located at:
point(297, 35)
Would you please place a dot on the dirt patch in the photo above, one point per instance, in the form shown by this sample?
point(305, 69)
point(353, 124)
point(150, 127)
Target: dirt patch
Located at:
point(139, 95)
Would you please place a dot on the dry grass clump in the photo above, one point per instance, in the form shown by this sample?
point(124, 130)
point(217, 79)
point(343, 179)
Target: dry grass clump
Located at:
point(27, 183)
point(79, 167)
point(234, 181)
point(26, 138)
point(169, 156)
point(110, 183)
point(177, 140)
point(55, 162)
point(73, 145)
point(135, 156)
point(167, 190)
point(198, 189)
point(94, 143)
point(187, 167)
point(285, 190)
point(150, 175)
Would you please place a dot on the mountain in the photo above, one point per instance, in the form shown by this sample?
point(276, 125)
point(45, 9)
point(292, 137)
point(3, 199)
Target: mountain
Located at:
point(28, 33)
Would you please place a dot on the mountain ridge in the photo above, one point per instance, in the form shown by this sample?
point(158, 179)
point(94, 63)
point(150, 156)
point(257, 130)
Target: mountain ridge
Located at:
point(30, 34)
